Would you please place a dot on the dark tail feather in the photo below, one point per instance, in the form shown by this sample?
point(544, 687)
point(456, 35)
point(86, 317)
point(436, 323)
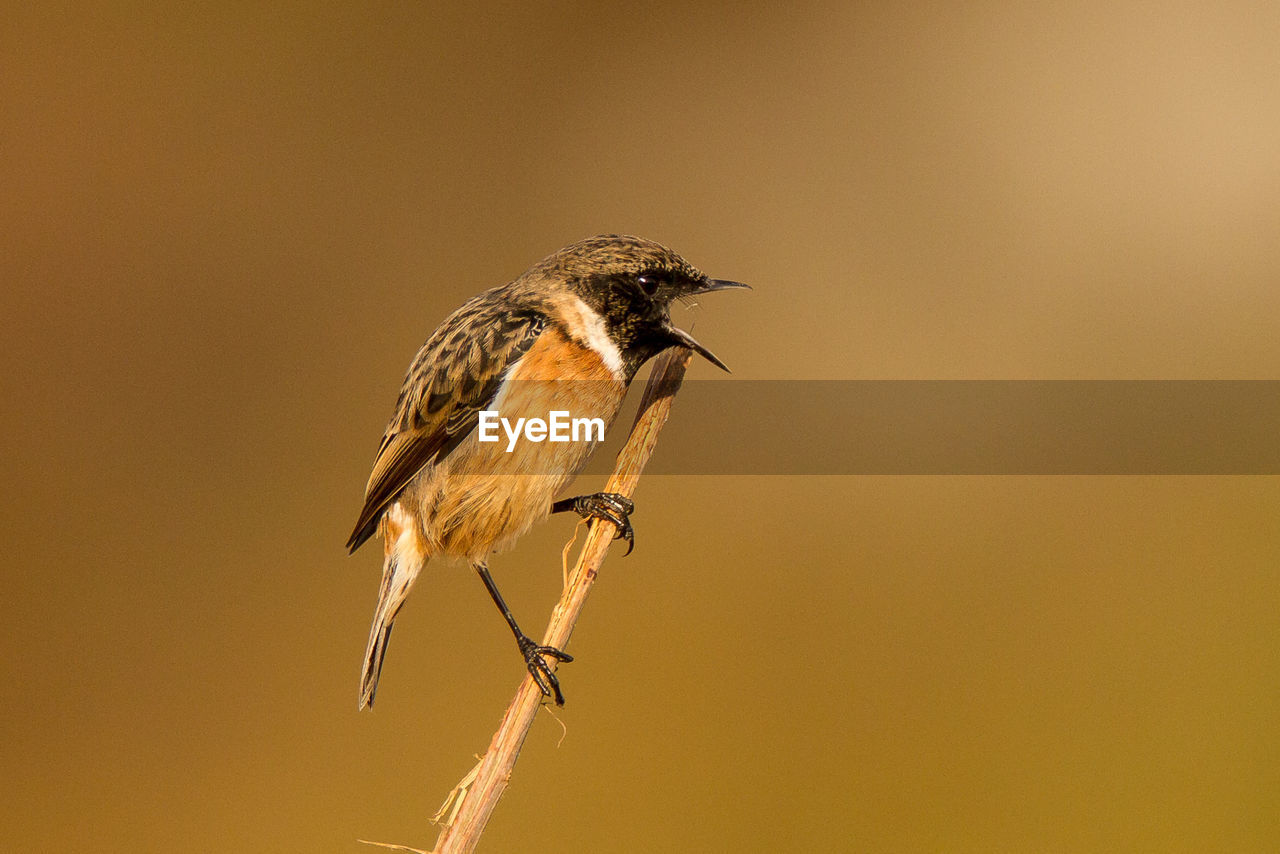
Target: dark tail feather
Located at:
point(398, 576)
point(373, 662)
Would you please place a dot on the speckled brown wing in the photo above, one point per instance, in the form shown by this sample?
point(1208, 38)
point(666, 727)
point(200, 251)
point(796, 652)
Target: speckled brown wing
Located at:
point(454, 376)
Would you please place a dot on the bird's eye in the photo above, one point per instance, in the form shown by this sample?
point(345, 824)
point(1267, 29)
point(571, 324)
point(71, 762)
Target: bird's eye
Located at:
point(648, 283)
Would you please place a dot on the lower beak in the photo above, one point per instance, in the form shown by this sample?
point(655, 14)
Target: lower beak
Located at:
point(684, 339)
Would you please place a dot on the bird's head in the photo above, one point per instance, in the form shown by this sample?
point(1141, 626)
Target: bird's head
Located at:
point(630, 284)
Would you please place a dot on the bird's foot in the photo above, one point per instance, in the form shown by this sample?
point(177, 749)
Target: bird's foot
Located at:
point(603, 505)
point(538, 667)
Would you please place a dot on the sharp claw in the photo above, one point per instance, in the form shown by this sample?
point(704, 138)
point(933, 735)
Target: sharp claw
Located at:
point(616, 512)
point(624, 531)
point(548, 684)
point(538, 668)
point(555, 686)
point(612, 506)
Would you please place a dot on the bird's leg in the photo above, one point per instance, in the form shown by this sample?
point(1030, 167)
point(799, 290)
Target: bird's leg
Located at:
point(603, 505)
point(532, 652)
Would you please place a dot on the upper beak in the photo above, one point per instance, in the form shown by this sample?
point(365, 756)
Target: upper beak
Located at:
point(719, 285)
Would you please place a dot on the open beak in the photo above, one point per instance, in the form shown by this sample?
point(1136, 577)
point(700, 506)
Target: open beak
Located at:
point(683, 339)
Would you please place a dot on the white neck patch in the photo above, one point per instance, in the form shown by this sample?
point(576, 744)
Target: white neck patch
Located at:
point(588, 327)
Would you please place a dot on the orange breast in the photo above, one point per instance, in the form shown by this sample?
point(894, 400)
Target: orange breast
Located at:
point(555, 357)
point(482, 496)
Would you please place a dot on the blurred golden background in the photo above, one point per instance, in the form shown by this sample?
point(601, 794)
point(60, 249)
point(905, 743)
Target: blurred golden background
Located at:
point(228, 228)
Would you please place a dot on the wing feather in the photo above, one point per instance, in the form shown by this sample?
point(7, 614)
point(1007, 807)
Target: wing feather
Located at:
point(454, 376)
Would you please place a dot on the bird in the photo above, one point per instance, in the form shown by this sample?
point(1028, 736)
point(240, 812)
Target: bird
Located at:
point(567, 335)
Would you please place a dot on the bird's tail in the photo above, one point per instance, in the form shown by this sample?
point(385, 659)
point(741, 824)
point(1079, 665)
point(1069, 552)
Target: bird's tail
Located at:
point(400, 570)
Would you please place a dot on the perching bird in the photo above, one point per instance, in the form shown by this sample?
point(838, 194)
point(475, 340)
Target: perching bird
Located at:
point(568, 335)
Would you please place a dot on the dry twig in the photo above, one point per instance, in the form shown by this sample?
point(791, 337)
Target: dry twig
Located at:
point(491, 778)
